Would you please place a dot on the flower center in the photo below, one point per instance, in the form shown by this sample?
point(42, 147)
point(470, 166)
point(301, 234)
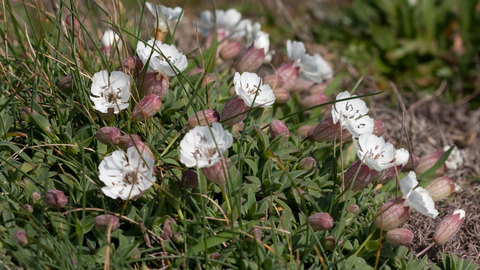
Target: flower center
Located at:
point(130, 176)
point(253, 91)
point(204, 150)
point(110, 94)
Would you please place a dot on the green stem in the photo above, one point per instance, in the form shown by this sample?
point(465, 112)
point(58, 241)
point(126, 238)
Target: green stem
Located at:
point(365, 242)
point(224, 191)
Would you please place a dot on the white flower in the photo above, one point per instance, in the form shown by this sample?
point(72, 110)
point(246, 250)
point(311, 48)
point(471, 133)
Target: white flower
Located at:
point(227, 22)
point(204, 146)
point(259, 39)
point(165, 15)
point(374, 152)
point(126, 177)
point(352, 115)
point(162, 58)
point(110, 92)
point(311, 68)
point(454, 159)
point(109, 38)
point(361, 125)
point(419, 198)
point(249, 88)
point(401, 157)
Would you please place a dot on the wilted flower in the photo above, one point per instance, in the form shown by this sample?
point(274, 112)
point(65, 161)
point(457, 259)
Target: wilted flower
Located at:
point(162, 58)
point(428, 160)
point(454, 159)
point(165, 15)
point(417, 198)
point(440, 188)
point(146, 108)
point(55, 199)
point(204, 146)
point(320, 221)
point(392, 214)
point(203, 118)
point(110, 92)
point(127, 176)
point(277, 128)
point(103, 221)
point(167, 228)
point(449, 226)
point(311, 68)
point(399, 237)
point(226, 22)
point(352, 115)
point(109, 135)
point(250, 89)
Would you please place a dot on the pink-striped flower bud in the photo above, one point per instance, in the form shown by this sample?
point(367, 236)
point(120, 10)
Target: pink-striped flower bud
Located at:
point(55, 199)
point(411, 166)
point(428, 160)
point(392, 214)
point(289, 75)
point(231, 50)
point(20, 237)
point(399, 237)
point(353, 208)
point(281, 95)
point(209, 78)
point(66, 85)
point(389, 174)
point(234, 112)
point(330, 243)
point(274, 81)
point(155, 83)
point(131, 66)
point(326, 131)
point(307, 163)
point(301, 86)
point(313, 100)
point(303, 130)
point(73, 25)
point(102, 222)
point(320, 221)
point(27, 208)
point(126, 139)
point(217, 173)
point(109, 135)
point(203, 118)
point(449, 226)
point(378, 128)
point(441, 188)
point(221, 39)
point(146, 108)
point(250, 60)
point(318, 88)
point(277, 128)
point(360, 175)
point(238, 127)
point(190, 178)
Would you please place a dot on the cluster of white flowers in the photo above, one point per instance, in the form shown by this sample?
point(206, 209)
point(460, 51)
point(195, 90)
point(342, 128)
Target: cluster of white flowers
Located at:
point(259, 39)
point(162, 58)
point(165, 15)
point(228, 23)
point(311, 68)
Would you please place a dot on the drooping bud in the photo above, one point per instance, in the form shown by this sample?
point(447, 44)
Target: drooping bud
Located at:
point(330, 242)
point(66, 85)
point(449, 226)
point(155, 83)
point(409, 166)
point(146, 108)
point(274, 81)
point(281, 95)
point(190, 178)
point(318, 88)
point(73, 26)
point(320, 221)
point(125, 140)
point(378, 128)
point(303, 130)
point(399, 237)
point(203, 118)
point(55, 199)
point(256, 233)
point(20, 237)
point(360, 175)
point(231, 50)
point(109, 135)
point(307, 163)
point(392, 214)
point(209, 77)
point(234, 112)
point(27, 208)
point(217, 173)
point(441, 188)
point(131, 66)
point(326, 131)
point(289, 75)
point(103, 221)
point(167, 228)
point(250, 59)
point(301, 85)
point(428, 160)
point(313, 100)
point(277, 128)
point(353, 208)
point(238, 127)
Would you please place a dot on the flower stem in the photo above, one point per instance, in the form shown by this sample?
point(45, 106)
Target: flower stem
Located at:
point(224, 191)
point(365, 242)
point(425, 250)
point(180, 214)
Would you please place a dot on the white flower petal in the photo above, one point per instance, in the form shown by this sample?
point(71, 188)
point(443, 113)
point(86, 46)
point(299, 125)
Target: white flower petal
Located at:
point(421, 201)
point(249, 88)
point(401, 156)
point(408, 183)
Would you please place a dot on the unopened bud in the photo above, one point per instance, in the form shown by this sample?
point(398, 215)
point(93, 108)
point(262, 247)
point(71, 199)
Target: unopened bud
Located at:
point(359, 176)
point(250, 59)
point(66, 85)
point(303, 130)
point(209, 78)
point(217, 173)
point(301, 86)
point(103, 221)
point(289, 75)
point(203, 118)
point(25, 114)
point(274, 81)
point(392, 214)
point(320, 221)
point(167, 228)
point(131, 66)
point(20, 237)
point(27, 208)
point(142, 148)
point(155, 83)
point(35, 197)
point(330, 242)
point(135, 254)
point(378, 128)
point(55, 199)
point(411, 166)
point(190, 178)
point(326, 131)
point(352, 208)
point(449, 226)
point(73, 26)
point(256, 233)
point(109, 135)
point(234, 112)
point(441, 188)
point(307, 163)
point(313, 100)
point(277, 128)
point(178, 238)
point(146, 108)
point(39, 98)
point(231, 50)
point(238, 127)
point(428, 160)
point(399, 237)
point(318, 88)
point(125, 140)
point(281, 95)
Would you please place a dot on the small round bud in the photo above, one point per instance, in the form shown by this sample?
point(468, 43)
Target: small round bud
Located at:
point(330, 242)
point(178, 238)
point(320, 221)
point(441, 188)
point(278, 128)
point(353, 208)
point(142, 148)
point(231, 50)
point(146, 108)
point(313, 100)
point(318, 88)
point(449, 226)
point(203, 118)
point(20, 237)
point(428, 160)
point(250, 59)
point(256, 233)
point(135, 254)
point(73, 26)
point(209, 78)
point(275, 81)
point(167, 228)
point(303, 130)
point(27, 208)
point(399, 237)
point(55, 199)
point(66, 85)
point(103, 221)
point(234, 112)
point(109, 135)
point(281, 95)
point(35, 197)
point(190, 178)
point(392, 214)
point(326, 131)
point(307, 163)
point(25, 114)
point(301, 86)
point(39, 98)
point(289, 75)
point(125, 140)
point(131, 66)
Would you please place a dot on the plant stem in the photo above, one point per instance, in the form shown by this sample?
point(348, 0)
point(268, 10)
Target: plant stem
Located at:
point(425, 250)
point(365, 242)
